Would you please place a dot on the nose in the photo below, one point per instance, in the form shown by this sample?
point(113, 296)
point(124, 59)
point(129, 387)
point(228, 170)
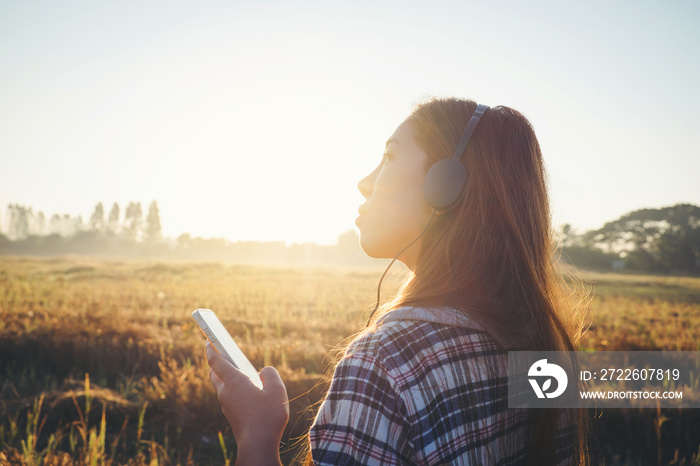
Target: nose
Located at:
point(366, 184)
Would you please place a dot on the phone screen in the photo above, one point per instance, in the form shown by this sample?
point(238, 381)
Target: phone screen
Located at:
point(222, 341)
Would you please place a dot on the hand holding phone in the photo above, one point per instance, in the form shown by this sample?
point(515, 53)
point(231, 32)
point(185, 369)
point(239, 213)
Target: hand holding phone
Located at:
point(223, 343)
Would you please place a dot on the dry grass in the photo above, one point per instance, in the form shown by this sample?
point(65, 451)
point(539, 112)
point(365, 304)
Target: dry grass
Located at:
point(127, 324)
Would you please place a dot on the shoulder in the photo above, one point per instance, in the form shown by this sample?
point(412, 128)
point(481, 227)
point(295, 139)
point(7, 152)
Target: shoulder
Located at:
point(410, 335)
point(429, 360)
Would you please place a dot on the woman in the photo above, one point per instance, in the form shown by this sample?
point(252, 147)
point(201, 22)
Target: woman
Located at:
point(425, 382)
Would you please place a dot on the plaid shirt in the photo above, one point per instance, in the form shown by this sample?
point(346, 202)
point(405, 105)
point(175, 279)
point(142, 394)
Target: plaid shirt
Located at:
point(423, 387)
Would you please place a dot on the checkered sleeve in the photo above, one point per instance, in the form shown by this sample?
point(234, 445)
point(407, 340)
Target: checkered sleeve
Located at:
point(362, 420)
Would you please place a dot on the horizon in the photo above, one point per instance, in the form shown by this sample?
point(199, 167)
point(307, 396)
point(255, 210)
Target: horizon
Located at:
point(4, 229)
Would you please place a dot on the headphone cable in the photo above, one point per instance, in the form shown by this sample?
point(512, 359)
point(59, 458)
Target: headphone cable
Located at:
point(379, 286)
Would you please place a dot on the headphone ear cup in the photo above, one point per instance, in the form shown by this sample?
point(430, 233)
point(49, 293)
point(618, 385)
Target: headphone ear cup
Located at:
point(445, 183)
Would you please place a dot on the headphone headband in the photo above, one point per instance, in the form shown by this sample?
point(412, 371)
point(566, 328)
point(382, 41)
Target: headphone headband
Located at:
point(478, 113)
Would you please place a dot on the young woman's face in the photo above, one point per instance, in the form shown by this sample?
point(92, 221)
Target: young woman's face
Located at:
point(395, 212)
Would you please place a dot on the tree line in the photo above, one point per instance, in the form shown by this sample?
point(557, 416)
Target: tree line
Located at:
point(132, 235)
point(663, 240)
point(22, 222)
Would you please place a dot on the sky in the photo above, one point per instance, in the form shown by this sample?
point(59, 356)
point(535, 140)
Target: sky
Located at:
point(256, 120)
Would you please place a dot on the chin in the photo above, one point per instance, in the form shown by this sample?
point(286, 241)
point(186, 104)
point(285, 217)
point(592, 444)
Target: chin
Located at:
point(374, 250)
point(368, 247)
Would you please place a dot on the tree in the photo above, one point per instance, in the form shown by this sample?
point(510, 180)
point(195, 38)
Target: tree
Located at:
point(569, 236)
point(349, 241)
point(153, 229)
point(97, 219)
point(132, 220)
point(67, 226)
point(38, 224)
point(113, 222)
point(55, 225)
point(655, 240)
point(19, 221)
point(184, 241)
point(78, 225)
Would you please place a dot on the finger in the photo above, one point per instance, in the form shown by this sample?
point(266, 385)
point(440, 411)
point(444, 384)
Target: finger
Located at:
point(215, 380)
point(226, 371)
point(272, 382)
point(211, 352)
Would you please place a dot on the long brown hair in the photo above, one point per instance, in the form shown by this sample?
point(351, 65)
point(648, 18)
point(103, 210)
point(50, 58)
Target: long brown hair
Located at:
point(493, 255)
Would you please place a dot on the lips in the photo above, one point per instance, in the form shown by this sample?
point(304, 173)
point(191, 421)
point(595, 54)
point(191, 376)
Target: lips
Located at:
point(363, 214)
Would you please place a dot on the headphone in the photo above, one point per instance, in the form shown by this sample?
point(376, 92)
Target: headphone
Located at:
point(446, 181)
point(444, 186)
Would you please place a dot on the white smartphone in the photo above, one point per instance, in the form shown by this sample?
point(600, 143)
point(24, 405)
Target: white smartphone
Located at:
point(223, 343)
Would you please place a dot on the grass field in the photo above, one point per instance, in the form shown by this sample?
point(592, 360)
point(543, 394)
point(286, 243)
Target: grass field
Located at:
point(100, 361)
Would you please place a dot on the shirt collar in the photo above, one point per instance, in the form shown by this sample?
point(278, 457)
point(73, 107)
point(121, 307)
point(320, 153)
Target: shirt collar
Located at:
point(445, 315)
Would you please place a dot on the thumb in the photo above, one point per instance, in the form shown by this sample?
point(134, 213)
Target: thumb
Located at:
point(221, 367)
point(272, 382)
